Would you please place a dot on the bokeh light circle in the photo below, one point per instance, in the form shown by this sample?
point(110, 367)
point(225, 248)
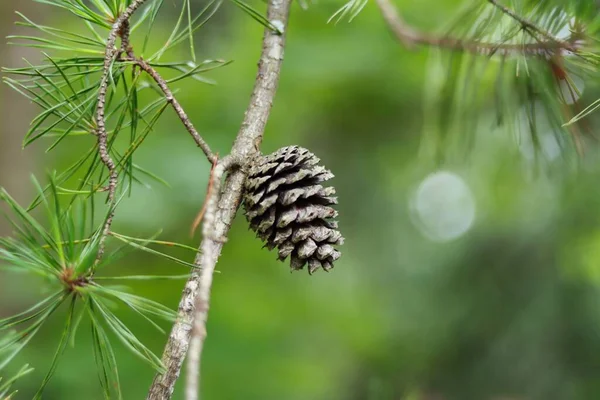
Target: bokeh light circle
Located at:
point(443, 206)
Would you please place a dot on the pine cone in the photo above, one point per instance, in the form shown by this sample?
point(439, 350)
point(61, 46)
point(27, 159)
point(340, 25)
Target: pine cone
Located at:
point(289, 209)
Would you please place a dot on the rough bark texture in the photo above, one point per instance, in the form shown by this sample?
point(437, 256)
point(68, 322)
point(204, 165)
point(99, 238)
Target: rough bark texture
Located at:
point(197, 290)
point(120, 28)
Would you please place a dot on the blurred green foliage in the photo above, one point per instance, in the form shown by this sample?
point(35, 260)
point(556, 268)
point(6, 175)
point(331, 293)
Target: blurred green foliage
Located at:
point(510, 310)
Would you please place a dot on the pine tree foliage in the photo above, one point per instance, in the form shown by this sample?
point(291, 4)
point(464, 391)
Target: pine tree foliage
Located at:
point(525, 61)
point(64, 255)
point(66, 85)
point(5, 385)
point(530, 71)
point(67, 249)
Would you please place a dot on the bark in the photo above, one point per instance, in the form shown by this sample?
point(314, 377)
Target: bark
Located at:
point(194, 303)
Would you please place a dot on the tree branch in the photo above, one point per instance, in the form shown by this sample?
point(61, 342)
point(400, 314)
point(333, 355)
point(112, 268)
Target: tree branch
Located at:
point(120, 29)
point(411, 37)
point(194, 303)
point(207, 264)
point(162, 84)
point(529, 25)
point(109, 57)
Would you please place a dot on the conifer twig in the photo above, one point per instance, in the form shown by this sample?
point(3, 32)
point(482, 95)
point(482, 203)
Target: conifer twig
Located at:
point(120, 29)
point(207, 262)
point(164, 87)
point(530, 25)
point(411, 37)
point(209, 191)
point(190, 327)
point(109, 57)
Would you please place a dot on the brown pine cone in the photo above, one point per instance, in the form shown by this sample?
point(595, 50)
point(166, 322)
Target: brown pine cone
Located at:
point(289, 209)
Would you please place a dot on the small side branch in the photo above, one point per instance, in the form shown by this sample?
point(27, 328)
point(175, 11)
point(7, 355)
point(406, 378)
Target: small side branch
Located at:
point(403, 32)
point(411, 37)
point(121, 29)
point(162, 84)
point(528, 25)
point(193, 308)
point(207, 264)
point(118, 27)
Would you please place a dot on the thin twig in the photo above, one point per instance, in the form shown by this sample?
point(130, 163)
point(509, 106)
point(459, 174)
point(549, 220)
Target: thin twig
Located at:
point(207, 264)
point(411, 37)
point(195, 299)
point(530, 25)
point(103, 151)
point(162, 84)
point(121, 30)
point(209, 190)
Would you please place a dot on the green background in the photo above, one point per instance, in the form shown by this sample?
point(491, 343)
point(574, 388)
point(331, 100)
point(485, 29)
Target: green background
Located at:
point(510, 310)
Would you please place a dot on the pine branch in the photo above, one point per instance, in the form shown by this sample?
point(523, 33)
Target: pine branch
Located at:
point(537, 41)
point(109, 58)
point(190, 328)
point(411, 37)
point(59, 254)
point(162, 84)
point(121, 29)
point(529, 25)
point(210, 249)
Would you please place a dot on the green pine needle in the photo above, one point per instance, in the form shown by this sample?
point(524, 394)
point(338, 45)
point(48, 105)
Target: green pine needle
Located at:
point(6, 385)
